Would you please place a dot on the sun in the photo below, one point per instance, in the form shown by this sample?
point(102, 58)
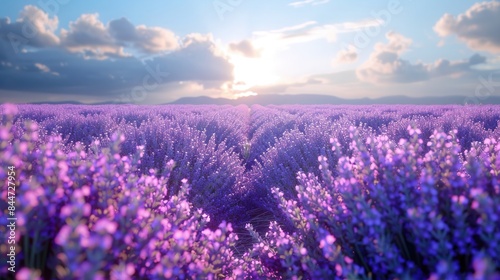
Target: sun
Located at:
point(252, 72)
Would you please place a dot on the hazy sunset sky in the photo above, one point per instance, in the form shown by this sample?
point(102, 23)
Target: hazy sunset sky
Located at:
point(158, 51)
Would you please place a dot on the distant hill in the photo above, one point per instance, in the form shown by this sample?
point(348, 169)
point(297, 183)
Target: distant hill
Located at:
point(310, 99)
point(278, 99)
point(58, 102)
point(73, 103)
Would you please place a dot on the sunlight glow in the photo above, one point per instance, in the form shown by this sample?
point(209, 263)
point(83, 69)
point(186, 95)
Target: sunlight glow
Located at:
point(246, 94)
point(252, 72)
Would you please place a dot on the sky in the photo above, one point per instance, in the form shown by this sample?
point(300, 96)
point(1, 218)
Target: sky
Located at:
point(160, 51)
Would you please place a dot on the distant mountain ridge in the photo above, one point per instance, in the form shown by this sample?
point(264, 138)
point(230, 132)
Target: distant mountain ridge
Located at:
point(310, 99)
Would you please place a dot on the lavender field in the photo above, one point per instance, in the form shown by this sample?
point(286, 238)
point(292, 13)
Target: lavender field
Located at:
point(274, 192)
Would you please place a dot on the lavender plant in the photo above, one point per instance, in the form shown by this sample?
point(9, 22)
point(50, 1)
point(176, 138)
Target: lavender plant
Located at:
point(275, 192)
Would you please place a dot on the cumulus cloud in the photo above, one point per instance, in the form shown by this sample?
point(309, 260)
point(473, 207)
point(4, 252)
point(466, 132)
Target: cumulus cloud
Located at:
point(444, 67)
point(347, 55)
point(385, 64)
point(245, 48)
point(478, 27)
point(302, 3)
point(198, 60)
point(123, 30)
point(89, 35)
point(147, 39)
point(32, 28)
point(77, 75)
point(77, 63)
point(72, 74)
point(197, 38)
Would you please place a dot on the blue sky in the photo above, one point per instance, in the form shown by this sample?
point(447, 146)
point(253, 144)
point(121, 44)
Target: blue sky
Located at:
point(159, 51)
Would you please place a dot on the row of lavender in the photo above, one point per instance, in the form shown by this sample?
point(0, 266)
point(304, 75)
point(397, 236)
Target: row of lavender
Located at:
point(103, 188)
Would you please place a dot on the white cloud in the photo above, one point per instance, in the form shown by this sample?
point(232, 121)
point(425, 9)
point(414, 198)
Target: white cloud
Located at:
point(385, 64)
point(308, 2)
point(478, 27)
point(33, 27)
point(81, 57)
point(245, 48)
point(306, 32)
point(90, 36)
point(45, 69)
point(42, 67)
point(87, 35)
point(347, 55)
point(147, 39)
